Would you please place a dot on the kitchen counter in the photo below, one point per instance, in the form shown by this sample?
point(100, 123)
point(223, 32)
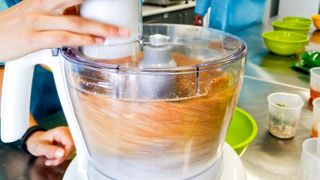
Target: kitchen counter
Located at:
point(150, 10)
point(266, 157)
point(269, 67)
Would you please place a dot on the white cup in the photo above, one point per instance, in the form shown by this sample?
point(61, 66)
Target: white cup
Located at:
point(315, 82)
point(315, 117)
point(284, 114)
point(310, 160)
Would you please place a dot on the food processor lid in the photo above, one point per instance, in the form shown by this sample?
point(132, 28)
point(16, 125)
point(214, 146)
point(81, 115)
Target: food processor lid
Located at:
point(192, 46)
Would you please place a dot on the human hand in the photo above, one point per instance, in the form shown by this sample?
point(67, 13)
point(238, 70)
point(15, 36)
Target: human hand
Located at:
point(32, 25)
point(198, 20)
point(55, 144)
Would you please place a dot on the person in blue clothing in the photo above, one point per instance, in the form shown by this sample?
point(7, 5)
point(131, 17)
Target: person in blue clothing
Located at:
point(229, 15)
point(31, 25)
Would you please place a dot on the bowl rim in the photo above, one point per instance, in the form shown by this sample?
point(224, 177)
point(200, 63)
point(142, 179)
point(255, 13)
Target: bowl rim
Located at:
point(270, 102)
point(74, 56)
point(303, 19)
point(254, 131)
point(276, 24)
point(306, 38)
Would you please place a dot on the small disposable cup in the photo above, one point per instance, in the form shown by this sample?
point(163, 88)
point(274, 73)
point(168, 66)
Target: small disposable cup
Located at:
point(310, 160)
point(315, 117)
point(315, 82)
point(318, 144)
point(284, 114)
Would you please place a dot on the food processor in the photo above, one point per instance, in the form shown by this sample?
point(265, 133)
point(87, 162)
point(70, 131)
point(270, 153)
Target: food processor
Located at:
point(155, 105)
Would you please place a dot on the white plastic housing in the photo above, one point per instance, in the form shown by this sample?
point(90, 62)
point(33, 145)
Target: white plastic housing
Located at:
point(15, 102)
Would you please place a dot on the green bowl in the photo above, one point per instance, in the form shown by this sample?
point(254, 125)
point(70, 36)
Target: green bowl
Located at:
point(242, 130)
point(285, 43)
point(290, 26)
point(296, 19)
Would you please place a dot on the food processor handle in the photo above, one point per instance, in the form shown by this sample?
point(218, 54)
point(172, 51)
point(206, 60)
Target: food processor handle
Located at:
point(15, 99)
point(16, 92)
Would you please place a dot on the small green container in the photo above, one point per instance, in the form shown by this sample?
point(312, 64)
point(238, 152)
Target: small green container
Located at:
point(291, 26)
point(242, 130)
point(296, 19)
point(285, 43)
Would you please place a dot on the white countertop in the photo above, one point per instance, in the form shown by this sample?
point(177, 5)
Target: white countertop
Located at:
point(149, 10)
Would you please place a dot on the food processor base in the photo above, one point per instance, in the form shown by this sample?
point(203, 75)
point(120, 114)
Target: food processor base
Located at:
point(232, 168)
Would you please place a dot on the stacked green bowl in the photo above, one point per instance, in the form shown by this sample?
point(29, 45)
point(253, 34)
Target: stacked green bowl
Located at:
point(285, 42)
point(294, 24)
point(300, 20)
point(290, 35)
point(290, 26)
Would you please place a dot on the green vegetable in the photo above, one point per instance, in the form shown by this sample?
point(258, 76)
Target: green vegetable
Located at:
point(308, 60)
point(311, 59)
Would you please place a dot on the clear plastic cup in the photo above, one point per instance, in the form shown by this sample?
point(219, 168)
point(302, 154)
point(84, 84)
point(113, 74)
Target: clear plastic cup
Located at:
point(315, 117)
point(310, 160)
point(315, 83)
point(284, 114)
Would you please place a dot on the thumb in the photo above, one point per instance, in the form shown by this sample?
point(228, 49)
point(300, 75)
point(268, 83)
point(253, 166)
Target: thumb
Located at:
point(49, 151)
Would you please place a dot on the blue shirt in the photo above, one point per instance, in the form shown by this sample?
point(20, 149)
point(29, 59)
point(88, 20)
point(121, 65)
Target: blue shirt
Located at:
point(5, 4)
point(44, 97)
point(232, 15)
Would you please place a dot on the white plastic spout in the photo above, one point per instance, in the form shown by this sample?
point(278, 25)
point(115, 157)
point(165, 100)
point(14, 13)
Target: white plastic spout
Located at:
point(122, 13)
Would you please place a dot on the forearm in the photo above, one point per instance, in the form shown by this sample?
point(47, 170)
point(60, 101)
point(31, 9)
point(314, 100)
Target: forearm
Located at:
point(32, 121)
point(37, 22)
